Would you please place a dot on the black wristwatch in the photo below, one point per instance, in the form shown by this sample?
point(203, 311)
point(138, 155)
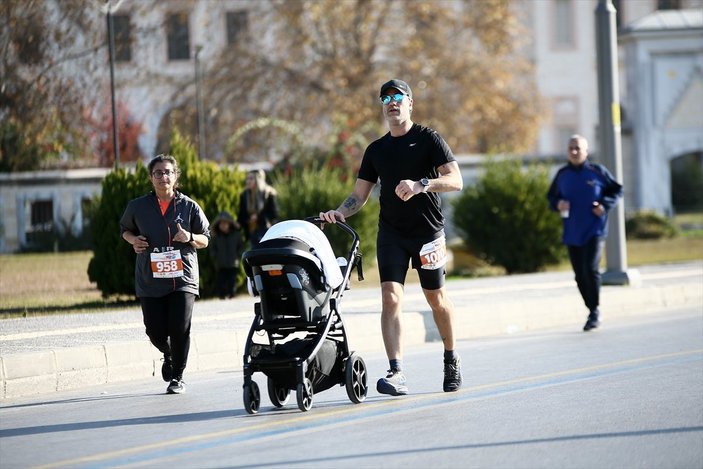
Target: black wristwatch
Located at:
point(425, 184)
point(191, 237)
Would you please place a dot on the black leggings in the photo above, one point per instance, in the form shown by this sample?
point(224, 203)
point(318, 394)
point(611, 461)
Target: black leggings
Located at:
point(167, 320)
point(585, 261)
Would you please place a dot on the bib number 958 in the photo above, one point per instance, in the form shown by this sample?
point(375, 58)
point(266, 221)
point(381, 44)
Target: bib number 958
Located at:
point(167, 264)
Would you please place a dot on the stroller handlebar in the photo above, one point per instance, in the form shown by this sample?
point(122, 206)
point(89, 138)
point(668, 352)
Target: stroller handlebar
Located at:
point(320, 222)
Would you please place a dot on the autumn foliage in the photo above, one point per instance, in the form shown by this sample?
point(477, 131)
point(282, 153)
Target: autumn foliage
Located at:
point(128, 131)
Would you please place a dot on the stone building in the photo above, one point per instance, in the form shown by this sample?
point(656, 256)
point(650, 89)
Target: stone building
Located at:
point(663, 106)
point(158, 44)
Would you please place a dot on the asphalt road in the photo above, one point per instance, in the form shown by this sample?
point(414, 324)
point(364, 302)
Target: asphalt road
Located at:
point(626, 396)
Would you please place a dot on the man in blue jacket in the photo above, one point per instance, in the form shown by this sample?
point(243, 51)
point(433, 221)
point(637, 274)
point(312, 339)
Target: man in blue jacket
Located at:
point(584, 192)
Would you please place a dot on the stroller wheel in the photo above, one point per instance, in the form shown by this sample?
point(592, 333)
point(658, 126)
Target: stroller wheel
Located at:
point(355, 378)
point(252, 397)
point(278, 394)
point(304, 395)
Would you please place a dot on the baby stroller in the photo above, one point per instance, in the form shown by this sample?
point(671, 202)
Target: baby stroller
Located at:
point(298, 339)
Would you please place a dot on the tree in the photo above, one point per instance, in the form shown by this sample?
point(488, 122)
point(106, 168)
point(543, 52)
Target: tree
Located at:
point(213, 188)
point(128, 131)
point(307, 61)
point(41, 101)
point(505, 218)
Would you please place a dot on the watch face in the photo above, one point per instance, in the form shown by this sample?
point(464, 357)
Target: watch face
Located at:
point(425, 182)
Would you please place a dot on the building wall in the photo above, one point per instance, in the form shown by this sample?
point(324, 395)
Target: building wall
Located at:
point(665, 79)
point(65, 189)
point(662, 122)
point(150, 84)
point(565, 73)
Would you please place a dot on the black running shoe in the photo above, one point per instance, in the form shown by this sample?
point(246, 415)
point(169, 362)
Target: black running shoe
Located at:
point(167, 368)
point(591, 324)
point(593, 321)
point(393, 384)
point(176, 386)
point(452, 375)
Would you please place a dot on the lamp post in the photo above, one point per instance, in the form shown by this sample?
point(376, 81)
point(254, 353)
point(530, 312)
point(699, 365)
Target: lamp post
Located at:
point(610, 145)
point(111, 49)
point(199, 103)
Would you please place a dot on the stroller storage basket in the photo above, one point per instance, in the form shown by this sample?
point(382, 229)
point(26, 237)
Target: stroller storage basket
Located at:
point(324, 370)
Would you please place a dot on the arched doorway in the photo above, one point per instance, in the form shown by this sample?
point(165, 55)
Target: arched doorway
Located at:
point(687, 182)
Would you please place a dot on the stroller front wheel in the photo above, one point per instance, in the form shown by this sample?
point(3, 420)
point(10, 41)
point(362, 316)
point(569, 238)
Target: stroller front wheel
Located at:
point(252, 397)
point(304, 395)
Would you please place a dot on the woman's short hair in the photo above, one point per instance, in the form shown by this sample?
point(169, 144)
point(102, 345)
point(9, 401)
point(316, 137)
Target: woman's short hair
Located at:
point(163, 159)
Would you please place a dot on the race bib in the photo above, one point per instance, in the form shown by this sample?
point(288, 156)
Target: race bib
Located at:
point(167, 264)
point(433, 255)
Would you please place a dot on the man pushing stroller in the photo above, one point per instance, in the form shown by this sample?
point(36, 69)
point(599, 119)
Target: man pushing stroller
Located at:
point(413, 164)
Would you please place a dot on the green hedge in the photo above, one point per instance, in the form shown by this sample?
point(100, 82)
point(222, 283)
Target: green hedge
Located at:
point(213, 188)
point(112, 264)
point(505, 218)
point(302, 192)
point(649, 225)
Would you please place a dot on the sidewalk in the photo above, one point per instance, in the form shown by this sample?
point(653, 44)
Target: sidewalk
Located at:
point(61, 352)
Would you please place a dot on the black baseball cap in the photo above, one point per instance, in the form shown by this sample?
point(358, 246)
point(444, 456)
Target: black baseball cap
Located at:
point(399, 85)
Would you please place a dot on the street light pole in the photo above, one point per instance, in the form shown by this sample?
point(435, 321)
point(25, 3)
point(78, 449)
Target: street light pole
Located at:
point(111, 49)
point(199, 103)
point(610, 145)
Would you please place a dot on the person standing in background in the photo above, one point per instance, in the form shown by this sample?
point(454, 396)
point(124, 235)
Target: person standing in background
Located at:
point(583, 193)
point(226, 248)
point(258, 207)
point(165, 228)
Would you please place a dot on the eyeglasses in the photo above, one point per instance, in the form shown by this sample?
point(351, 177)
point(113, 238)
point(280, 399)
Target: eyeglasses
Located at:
point(158, 174)
point(398, 97)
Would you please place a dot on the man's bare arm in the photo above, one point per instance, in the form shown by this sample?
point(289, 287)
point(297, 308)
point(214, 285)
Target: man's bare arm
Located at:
point(352, 204)
point(450, 179)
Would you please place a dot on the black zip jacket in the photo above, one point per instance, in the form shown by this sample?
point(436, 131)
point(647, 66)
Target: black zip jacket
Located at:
point(143, 217)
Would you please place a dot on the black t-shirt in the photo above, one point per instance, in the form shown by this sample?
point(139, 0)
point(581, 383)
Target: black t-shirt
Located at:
point(415, 155)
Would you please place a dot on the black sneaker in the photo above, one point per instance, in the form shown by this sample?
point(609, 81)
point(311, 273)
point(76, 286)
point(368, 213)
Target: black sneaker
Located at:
point(393, 384)
point(591, 324)
point(167, 368)
point(592, 321)
point(176, 386)
point(452, 375)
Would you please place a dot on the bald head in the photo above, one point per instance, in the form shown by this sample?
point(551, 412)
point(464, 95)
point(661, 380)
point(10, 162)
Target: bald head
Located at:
point(578, 149)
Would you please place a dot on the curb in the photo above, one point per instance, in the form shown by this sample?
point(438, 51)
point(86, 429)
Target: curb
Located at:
point(61, 369)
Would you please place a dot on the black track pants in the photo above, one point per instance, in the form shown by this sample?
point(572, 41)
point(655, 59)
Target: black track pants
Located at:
point(585, 261)
point(167, 320)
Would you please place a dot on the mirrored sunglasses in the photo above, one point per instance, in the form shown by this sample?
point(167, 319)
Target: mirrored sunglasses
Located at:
point(398, 97)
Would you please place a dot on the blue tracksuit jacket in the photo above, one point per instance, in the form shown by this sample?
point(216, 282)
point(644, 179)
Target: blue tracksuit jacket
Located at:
point(581, 186)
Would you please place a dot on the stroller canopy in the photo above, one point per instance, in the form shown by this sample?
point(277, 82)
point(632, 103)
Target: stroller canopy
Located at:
point(313, 236)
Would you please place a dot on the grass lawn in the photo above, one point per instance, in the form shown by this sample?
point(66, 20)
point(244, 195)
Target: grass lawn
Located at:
point(688, 246)
point(58, 282)
point(639, 252)
point(36, 283)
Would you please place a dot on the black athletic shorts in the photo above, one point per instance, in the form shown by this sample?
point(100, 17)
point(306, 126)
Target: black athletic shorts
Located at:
point(427, 255)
